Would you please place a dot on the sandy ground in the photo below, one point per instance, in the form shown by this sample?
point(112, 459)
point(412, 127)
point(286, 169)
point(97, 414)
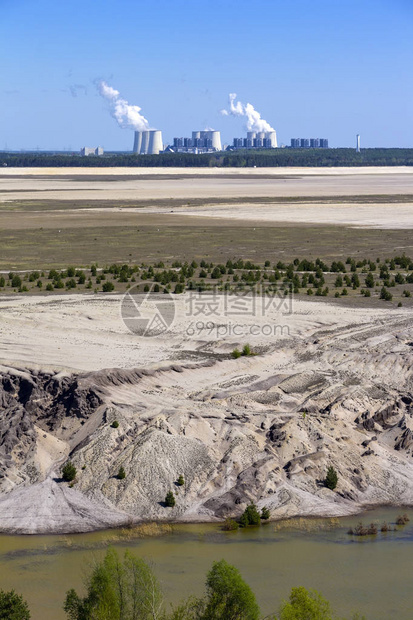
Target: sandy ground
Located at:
point(231, 426)
point(47, 184)
point(86, 332)
point(5, 172)
point(234, 428)
point(383, 216)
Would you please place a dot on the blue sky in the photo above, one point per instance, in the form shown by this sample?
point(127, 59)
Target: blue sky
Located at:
point(312, 68)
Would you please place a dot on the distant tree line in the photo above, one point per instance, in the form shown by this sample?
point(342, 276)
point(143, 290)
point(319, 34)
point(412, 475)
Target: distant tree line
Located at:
point(227, 159)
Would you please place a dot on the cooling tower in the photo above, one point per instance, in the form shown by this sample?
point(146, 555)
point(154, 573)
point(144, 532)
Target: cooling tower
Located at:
point(272, 136)
point(137, 142)
point(251, 135)
point(196, 135)
point(216, 140)
point(145, 143)
point(155, 142)
point(148, 142)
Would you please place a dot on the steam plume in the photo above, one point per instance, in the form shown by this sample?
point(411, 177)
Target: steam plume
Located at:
point(254, 120)
point(127, 116)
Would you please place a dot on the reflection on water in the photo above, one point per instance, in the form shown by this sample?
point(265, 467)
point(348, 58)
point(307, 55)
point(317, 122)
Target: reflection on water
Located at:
point(368, 574)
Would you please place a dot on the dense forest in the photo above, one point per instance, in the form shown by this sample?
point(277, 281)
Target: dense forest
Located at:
point(226, 159)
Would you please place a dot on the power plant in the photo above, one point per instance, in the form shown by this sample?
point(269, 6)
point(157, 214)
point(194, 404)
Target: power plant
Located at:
point(309, 143)
point(148, 142)
point(257, 140)
point(86, 151)
point(208, 141)
point(358, 147)
point(260, 134)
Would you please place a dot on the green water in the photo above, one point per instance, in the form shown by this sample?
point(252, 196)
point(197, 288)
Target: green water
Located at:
point(372, 575)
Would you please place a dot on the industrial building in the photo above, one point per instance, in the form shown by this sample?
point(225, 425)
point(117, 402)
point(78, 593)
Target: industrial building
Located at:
point(148, 142)
point(257, 140)
point(86, 151)
point(207, 141)
point(309, 143)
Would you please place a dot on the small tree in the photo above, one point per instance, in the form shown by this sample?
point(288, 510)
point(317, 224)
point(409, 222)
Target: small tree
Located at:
point(108, 287)
point(69, 472)
point(250, 516)
point(115, 424)
point(228, 596)
point(265, 513)
point(181, 481)
point(13, 606)
point(246, 350)
point(369, 280)
point(331, 478)
point(305, 604)
point(170, 499)
point(121, 473)
point(117, 589)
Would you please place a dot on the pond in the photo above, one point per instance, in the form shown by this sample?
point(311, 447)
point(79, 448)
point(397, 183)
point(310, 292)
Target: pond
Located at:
point(369, 574)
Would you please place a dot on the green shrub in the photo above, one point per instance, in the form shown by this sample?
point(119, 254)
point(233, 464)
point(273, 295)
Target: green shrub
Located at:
point(230, 525)
point(115, 424)
point(250, 516)
point(181, 481)
point(69, 472)
point(236, 354)
point(108, 287)
point(170, 499)
point(331, 478)
point(385, 294)
point(265, 513)
point(246, 350)
point(121, 473)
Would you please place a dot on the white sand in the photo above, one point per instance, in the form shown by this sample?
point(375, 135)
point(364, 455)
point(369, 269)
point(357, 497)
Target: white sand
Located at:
point(50, 184)
point(86, 332)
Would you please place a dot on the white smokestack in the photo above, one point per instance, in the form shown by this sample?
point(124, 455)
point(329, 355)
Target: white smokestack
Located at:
point(254, 120)
point(127, 116)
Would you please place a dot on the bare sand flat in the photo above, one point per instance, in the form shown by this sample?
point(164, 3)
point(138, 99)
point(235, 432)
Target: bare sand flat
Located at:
point(391, 216)
point(86, 332)
point(50, 184)
point(280, 171)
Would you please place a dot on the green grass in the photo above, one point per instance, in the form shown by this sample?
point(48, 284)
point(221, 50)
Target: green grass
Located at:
point(44, 248)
